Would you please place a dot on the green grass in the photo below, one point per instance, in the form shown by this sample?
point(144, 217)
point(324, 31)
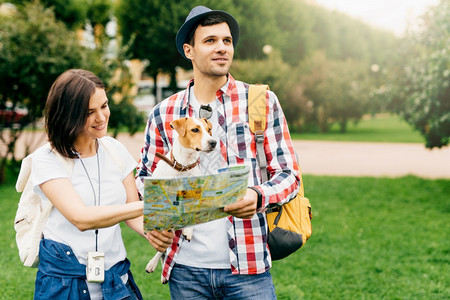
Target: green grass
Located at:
point(373, 238)
point(383, 128)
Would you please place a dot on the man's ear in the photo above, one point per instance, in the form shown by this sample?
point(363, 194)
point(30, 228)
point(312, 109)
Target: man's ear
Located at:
point(179, 125)
point(188, 50)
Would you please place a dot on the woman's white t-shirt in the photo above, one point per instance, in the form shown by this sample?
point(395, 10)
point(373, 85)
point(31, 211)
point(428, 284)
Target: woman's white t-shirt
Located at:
point(45, 167)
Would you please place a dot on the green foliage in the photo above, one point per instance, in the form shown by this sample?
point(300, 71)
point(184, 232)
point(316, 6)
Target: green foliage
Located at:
point(262, 23)
point(381, 128)
point(70, 12)
point(422, 88)
point(316, 92)
point(373, 238)
point(34, 50)
point(293, 33)
point(99, 12)
point(272, 71)
point(341, 96)
point(154, 25)
point(296, 31)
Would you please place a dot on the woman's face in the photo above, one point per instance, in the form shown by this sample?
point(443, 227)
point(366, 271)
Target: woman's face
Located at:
point(97, 121)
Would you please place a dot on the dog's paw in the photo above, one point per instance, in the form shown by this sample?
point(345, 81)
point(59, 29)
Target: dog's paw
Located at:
point(188, 233)
point(151, 266)
point(153, 263)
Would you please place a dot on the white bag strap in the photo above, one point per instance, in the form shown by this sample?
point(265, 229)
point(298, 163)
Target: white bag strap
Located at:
point(111, 150)
point(25, 168)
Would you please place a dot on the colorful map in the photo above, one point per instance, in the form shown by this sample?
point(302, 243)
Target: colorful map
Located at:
point(182, 201)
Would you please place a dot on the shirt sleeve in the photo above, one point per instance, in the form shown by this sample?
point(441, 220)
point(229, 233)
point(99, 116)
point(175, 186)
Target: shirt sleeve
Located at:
point(46, 166)
point(154, 142)
point(282, 164)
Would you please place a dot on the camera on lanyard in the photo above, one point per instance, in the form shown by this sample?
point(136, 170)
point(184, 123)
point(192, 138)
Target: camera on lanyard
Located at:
point(95, 268)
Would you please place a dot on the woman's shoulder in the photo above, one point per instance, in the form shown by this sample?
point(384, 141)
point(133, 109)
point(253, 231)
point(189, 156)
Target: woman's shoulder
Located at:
point(111, 144)
point(46, 164)
point(44, 151)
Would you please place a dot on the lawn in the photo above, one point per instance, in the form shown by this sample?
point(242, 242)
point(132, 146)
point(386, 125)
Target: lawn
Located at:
point(383, 128)
point(373, 238)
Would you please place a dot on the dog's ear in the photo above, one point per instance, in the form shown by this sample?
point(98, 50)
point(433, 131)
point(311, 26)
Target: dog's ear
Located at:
point(179, 125)
point(208, 124)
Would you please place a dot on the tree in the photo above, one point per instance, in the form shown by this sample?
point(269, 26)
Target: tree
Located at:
point(34, 50)
point(274, 72)
point(154, 24)
point(70, 12)
point(257, 21)
point(344, 94)
point(425, 86)
point(336, 91)
point(123, 112)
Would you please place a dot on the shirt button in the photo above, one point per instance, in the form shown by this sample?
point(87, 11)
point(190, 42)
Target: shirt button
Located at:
point(68, 252)
point(84, 291)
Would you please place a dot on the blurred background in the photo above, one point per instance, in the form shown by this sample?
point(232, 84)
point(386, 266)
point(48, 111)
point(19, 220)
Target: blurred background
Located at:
point(371, 74)
point(331, 63)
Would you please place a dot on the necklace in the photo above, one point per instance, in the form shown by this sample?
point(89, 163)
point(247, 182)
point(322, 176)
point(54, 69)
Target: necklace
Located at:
point(92, 186)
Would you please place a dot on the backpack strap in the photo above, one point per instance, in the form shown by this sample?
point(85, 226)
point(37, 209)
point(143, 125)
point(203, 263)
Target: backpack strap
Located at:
point(25, 168)
point(257, 120)
point(112, 151)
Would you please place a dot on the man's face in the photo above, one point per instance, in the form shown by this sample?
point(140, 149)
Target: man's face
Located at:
point(212, 53)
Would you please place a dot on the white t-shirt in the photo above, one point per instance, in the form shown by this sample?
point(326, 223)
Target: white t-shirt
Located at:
point(45, 167)
point(209, 245)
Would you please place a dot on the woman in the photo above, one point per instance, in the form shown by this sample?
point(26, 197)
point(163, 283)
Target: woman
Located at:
point(90, 202)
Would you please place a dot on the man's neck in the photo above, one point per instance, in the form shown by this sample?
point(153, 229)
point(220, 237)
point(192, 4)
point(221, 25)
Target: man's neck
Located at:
point(205, 88)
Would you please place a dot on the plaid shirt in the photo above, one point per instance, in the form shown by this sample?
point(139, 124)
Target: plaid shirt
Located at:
point(249, 253)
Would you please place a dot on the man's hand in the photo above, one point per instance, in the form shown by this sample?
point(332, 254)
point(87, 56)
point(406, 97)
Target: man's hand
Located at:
point(244, 208)
point(160, 240)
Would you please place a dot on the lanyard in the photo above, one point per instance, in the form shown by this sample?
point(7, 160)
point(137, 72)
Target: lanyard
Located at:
point(93, 190)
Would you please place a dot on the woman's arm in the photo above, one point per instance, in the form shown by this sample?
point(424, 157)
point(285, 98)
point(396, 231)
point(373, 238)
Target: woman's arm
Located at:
point(159, 240)
point(64, 197)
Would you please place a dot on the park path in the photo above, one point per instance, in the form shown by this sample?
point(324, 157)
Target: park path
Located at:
point(331, 158)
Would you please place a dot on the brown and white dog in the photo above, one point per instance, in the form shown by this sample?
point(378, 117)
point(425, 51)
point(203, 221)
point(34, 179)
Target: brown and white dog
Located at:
point(194, 136)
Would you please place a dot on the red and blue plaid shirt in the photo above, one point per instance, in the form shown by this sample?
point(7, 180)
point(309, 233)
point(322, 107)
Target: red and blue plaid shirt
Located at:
point(249, 253)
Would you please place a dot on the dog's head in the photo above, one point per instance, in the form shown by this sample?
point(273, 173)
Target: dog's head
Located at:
point(194, 134)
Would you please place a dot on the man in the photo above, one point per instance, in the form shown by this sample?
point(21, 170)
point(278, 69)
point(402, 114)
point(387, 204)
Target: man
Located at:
point(227, 257)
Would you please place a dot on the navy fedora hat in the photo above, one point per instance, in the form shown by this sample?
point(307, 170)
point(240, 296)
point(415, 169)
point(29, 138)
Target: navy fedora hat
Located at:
point(198, 13)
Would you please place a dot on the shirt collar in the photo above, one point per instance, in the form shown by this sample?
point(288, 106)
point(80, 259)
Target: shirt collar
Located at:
point(228, 88)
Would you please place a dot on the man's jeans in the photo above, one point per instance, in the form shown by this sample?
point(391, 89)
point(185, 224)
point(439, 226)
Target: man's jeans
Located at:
point(197, 283)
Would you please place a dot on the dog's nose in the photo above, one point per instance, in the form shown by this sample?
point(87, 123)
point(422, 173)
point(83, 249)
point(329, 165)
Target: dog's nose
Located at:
point(212, 144)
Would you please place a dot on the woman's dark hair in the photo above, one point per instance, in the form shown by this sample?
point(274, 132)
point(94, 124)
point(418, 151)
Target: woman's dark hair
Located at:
point(67, 108)
point(207, 21)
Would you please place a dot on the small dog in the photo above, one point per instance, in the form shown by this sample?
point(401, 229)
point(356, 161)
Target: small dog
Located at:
point(194, 136)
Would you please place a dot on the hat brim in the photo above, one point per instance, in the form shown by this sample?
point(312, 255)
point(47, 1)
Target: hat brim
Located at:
point(183, 32)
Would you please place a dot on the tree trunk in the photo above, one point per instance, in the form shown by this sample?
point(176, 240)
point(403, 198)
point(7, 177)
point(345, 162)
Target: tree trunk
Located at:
point(155, 86)
point(8, 138)
point(343, 126)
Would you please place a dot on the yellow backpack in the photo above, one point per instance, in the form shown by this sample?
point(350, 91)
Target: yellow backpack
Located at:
point(289, 224)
